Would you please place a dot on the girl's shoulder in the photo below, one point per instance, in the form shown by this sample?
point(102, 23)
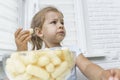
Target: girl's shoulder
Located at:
point(75, 49)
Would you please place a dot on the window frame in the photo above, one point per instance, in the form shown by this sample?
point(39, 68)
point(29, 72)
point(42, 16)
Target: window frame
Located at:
point(6, 49)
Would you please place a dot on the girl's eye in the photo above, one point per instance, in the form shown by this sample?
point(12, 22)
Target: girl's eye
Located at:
point(53, 22)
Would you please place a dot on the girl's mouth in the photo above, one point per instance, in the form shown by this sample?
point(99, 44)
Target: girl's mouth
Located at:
point(61, 32)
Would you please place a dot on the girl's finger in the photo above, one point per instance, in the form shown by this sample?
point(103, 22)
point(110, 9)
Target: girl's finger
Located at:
point(22, 38)
point(23, 33)
point(17, 32)
point(27, 39)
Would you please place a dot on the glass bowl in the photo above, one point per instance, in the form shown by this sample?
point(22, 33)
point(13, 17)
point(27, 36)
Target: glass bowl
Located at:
point(45, 64)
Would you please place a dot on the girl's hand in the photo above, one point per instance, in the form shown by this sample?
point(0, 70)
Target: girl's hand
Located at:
point(116, 74)
point(21, 39)
point(106, 75)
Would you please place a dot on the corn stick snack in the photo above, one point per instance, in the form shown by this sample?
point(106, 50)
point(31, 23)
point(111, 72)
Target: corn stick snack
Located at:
point(44, 64)
point(31, 30)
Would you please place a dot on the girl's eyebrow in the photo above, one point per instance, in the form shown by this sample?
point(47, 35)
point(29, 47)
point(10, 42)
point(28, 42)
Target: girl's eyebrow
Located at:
point(57, 19)
point(54, 19)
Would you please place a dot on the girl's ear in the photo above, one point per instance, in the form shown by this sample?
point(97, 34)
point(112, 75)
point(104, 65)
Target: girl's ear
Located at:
point(38, 32)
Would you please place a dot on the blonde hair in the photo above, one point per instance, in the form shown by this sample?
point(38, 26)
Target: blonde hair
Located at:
point(37, 22)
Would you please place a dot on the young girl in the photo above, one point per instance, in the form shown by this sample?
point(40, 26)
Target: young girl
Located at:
point(48, 26)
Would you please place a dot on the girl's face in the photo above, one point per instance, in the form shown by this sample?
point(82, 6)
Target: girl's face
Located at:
point(53, 30)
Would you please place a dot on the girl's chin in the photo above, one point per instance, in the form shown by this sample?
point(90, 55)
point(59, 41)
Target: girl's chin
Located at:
point(59, 40)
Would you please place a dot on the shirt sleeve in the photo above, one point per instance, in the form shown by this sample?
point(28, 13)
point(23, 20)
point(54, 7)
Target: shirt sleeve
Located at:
point(76, 49)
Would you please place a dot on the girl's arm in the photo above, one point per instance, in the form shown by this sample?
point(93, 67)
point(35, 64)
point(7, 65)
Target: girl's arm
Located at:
point(91, 70)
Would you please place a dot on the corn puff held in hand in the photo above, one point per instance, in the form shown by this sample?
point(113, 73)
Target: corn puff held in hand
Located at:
point(31, 30)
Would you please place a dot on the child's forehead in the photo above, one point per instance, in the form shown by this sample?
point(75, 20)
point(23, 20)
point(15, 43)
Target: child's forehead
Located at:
point(54, 15)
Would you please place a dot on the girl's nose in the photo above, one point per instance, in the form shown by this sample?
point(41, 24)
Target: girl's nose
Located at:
point(61, 26)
